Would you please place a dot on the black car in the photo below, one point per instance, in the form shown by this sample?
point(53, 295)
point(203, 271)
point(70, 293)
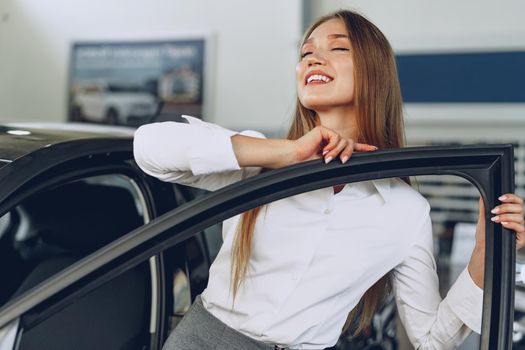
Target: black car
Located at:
point(95, 254)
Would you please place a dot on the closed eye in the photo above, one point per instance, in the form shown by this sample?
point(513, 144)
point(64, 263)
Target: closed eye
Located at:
point(304, 54)
point(340, 49)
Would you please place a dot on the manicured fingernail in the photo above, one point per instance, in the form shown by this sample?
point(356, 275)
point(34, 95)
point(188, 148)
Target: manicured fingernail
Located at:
point(495, 210)
point(375, 147)
point(504, 222)
point(325, 152)
point(502, 198)
point(328, 160)
point(344, 159)
point(494, 218)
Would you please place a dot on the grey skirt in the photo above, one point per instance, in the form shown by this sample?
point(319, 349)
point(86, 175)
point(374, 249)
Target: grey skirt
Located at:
point(200, 330)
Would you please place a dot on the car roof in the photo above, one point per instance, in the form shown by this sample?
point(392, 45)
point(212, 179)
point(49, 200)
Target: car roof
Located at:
point(20, 139)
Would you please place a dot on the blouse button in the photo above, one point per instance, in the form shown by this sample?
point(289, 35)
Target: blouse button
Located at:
point(327, 211)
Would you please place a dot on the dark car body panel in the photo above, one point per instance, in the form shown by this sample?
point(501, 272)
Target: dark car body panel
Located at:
point(23, 157)
point(18, 140)
point(488, 167)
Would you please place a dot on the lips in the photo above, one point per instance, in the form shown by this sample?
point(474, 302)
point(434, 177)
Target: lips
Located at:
point(317, 77)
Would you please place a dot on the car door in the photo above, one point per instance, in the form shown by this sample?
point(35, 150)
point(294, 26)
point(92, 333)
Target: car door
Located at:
point(488, 167)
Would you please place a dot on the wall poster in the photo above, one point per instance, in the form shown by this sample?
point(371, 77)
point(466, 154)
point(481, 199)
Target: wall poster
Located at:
point(132, 83)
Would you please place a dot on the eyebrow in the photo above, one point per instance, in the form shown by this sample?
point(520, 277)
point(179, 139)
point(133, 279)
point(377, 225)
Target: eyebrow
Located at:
point(330, 36)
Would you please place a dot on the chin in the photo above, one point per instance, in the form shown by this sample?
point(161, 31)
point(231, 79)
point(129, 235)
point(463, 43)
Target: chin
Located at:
point(315, 102)
point(318, 106)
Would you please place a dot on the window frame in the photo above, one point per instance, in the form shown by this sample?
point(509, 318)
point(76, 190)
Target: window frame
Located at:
point(489, 167)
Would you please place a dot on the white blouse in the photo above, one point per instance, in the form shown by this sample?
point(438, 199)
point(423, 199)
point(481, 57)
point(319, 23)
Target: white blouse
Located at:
point(315, 254)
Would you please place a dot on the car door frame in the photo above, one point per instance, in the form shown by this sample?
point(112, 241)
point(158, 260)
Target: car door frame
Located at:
point(72, 160)
point(489, 167)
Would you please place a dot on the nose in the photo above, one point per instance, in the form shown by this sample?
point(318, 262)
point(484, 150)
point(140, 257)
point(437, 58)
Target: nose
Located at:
point(315, 58)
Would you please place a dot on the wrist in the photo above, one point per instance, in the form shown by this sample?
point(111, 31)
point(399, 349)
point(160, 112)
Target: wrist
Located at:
point(292, 152)
point(286, 154)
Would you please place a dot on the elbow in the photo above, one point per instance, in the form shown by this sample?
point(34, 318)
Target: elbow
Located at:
point(159, 149)
point(141, 147)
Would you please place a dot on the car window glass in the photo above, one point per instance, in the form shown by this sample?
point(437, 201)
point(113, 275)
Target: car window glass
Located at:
point(454, 213)
point(115, 315)
point(50, 230)
point(518, 336)
point(453, 209)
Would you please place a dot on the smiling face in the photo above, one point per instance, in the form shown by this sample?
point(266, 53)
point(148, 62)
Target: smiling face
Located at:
point(325, 74)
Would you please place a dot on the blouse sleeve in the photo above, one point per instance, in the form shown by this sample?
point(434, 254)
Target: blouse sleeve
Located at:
point(430, 322)
point(197, 154)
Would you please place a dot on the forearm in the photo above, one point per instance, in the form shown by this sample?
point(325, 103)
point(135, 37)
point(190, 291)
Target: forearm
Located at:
point(265, 153)
point(476, 265)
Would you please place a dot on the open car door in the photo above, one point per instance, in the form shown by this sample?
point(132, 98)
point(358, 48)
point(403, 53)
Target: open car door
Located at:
point(489, 167)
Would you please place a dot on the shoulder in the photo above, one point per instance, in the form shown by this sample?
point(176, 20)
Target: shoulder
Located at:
point(411, 212)
point(403, 195)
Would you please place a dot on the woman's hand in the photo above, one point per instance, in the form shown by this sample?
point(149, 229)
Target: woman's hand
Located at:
point(510, 214)
point(325, 142)
point(276, 153)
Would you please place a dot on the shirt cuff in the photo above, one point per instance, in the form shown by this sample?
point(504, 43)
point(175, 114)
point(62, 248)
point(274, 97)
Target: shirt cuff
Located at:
point(465, 299)
point(204, 159)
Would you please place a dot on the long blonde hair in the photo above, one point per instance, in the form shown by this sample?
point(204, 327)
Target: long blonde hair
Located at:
point(379, 121)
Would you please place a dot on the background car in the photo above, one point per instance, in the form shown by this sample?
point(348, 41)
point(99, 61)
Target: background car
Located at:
point(113, 103)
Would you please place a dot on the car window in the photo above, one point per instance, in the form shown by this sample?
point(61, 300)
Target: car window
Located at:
point(56, 227)
point(454, 213)
point(450, 210)
point(518, 336)
point(115, 315)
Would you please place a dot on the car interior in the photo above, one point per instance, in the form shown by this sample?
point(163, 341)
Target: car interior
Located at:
point(54, 228)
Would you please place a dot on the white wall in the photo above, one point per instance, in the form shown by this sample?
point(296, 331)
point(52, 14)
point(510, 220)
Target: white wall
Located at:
point(446, 25)
point(253, 63)
point(255, 46)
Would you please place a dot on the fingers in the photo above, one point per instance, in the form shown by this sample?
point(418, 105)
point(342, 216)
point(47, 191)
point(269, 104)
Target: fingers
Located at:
point(511, 225)
point(507, 208)
point(517, 218)
point(347, 152)
point(332, 150)
point(511, 216)
point(510, 198)
point(337, 146)
point(364, 147)
point(511, 211)
point(343, 149)
point(331, 138)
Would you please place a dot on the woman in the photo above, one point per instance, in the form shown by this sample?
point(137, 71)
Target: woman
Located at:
point(297, 272)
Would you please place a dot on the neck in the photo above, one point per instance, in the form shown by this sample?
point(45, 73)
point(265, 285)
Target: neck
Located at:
point(342, 120)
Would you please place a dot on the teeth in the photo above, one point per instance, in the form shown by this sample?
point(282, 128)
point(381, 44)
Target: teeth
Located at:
point(318, 77)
